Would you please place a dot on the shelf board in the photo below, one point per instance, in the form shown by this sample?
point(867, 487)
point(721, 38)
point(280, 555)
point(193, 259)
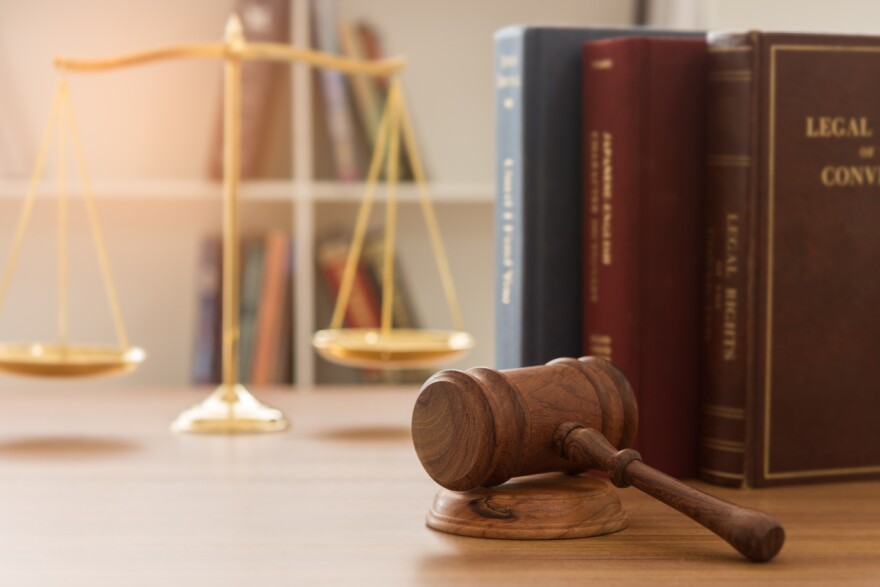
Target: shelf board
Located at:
point(330, 191)
point(252, 190)
point(150, 189)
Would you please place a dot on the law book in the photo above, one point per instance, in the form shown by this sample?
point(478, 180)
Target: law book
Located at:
point(794, 209)
point(644, 151)
point(538, 212)
point(270, 313)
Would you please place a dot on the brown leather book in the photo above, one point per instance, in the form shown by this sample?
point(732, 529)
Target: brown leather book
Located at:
point(262, 87)
point(793, 327)
point(269, 320)
point(644, 103)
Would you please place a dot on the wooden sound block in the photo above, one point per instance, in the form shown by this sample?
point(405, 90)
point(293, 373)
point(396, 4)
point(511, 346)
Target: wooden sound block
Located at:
point(540, 507)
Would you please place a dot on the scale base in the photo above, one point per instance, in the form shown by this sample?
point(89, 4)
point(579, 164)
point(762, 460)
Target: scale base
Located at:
point(540, 507)
point(218, 415)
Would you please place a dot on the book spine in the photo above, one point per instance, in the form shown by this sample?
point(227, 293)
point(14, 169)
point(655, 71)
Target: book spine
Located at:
point(509, 111)
point(613, 78)
point(263, 21)
point(612, 126)
point(366, 95)
point(284, 361)
point(731, 185)
point(340, 126)
point(251, 284)
point(369, 38)
point(373, 256)
point(269, 313)
point(207, 328)
point(363, 305)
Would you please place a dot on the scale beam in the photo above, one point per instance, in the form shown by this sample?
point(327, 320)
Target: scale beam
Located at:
point(242, 51)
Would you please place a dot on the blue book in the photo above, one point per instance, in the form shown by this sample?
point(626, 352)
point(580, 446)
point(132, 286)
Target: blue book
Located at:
point(206, 354)
point(539, 187)
point(251, 286)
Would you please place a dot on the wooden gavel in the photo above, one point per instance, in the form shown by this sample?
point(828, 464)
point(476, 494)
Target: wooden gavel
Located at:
point(481, 427)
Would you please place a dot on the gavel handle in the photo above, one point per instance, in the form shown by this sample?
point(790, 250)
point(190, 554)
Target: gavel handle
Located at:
point(756, 535)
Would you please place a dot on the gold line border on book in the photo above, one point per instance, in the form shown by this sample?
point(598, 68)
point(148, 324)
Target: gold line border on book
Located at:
point(771, 204)
point(730, 49)
point(723, 474)
point(720, 411)
point(725, 445)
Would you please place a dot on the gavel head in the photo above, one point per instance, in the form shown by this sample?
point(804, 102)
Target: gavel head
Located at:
point(482, 427)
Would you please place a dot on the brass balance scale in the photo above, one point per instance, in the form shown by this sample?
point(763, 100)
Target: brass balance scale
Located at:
point(232, 408)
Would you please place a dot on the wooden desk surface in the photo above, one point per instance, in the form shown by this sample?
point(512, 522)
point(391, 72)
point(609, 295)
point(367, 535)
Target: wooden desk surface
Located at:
point(96, 491)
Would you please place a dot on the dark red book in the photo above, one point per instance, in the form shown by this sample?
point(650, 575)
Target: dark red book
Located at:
point(643, 187)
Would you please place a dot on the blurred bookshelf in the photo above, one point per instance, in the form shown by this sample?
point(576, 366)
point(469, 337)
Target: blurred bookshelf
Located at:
point(148, 134)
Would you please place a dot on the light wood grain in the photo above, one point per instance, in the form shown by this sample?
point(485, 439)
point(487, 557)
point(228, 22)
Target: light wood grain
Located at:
point(94, 490)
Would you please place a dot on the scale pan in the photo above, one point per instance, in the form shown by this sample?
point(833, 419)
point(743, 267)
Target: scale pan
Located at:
point(399, 349)
point(52, 360)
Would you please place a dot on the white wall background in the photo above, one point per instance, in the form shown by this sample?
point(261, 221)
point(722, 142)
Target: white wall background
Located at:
point(846, 16)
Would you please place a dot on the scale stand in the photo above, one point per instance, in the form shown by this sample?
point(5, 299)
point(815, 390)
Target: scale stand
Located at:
point(232, 408)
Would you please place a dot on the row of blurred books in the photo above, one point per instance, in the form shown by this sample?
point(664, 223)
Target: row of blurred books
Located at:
point(350, 106)
point(265, 308)
point(347, 108)
point(265, 311)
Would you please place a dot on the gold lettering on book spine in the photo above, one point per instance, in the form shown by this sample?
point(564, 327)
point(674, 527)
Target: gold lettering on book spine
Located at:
point(607, 194)
point(595, 171)
point(730, 297)
point(507, 231)
point(600, 346)
point(725, 445)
